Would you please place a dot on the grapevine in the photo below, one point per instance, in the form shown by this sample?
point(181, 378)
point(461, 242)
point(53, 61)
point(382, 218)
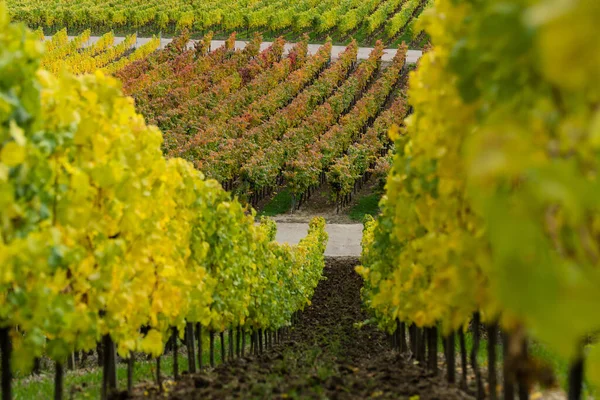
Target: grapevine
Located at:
point(102, 236)
point(490, 208)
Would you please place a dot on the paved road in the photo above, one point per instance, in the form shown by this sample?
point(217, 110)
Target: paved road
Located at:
point(344, 239)
point(363, 52)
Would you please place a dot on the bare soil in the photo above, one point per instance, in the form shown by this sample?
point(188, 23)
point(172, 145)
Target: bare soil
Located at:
point(324, 356)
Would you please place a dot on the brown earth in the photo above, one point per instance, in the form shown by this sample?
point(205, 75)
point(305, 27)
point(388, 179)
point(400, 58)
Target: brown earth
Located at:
point(324, 356)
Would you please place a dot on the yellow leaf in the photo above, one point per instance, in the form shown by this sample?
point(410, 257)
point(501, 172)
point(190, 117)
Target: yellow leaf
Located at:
point(17, 133)
point(152, 343)
point(12, 154)
point(394, 133)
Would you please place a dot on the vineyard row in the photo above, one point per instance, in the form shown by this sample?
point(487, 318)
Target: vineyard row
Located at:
point(372, 18)
point(74, 55)
point(104, 239)
point(256, 119)
point(492, 206)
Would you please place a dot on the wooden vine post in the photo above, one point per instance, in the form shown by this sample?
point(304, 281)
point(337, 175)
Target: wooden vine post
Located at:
point(200, 353)
point(523, 386)
point(417, 344)
point(59, 375)
point(412, 333)
point(576, 375)
point(109, 369)
point(6, 350)
point(451, 358)
point(71, 361)
point(432, 358)
point(223, 353)
point(243, 342)
point(212, 349)
point(37, 366)
point(256, 340)
point(158, 375)
point(463, 359)
point(423, 346)
point(402, 329)
point(474, 351)
point(509, 382)
point(238, 342)
point(130, 366)
point(100, 353)
point(392, 339)
point(231, 344)
point(174, 339)
point(190, 344)
point(492, 331)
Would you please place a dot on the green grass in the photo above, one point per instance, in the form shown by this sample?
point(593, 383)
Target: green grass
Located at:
point(279, 204)
point(367, 205)
point(87, 383)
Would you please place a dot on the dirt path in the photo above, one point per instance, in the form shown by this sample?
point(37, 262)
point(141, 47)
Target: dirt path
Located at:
point(324, 357)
